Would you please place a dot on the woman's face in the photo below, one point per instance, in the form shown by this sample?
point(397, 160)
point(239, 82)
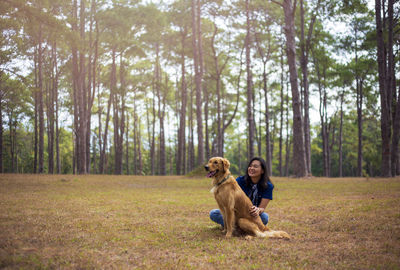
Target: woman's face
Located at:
point(255, 171)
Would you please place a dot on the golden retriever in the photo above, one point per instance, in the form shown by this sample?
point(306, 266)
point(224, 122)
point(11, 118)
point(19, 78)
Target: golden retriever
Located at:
point(234, 204)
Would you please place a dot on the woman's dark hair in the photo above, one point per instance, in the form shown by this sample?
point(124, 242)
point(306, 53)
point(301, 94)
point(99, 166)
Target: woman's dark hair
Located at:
point(263, 183)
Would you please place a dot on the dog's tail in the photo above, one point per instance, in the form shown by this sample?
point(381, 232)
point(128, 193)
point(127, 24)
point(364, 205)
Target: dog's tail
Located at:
point(276, 234)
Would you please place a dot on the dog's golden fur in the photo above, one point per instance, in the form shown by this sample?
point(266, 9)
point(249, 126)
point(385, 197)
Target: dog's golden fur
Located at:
point(234, 204)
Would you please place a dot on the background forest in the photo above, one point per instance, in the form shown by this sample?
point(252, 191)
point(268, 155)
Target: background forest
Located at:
point(158, 87)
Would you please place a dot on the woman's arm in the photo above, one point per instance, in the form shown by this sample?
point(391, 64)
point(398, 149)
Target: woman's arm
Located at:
point(254, 211)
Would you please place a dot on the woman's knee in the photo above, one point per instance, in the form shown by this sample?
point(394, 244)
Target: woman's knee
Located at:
point(216, 216)
point(215, 213)
point(264, 218)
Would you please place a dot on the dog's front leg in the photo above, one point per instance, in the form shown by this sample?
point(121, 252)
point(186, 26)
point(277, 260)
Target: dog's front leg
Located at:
point(230, 221)
point(222, 209)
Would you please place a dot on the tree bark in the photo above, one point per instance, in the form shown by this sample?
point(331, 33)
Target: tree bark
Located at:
point(383, 90)
point(181, 155)
point(341, 135)
point(161, 114)
point(305, 45)
point(198, 79)
point(40, 103)
point(135, 137)
point(56, 104)
point(103, 141)
point(250, 116)
point(1, 132)
point(82, 98)
point(280, 166)
point(127, 145)
point(191, 154)
point(359, 86)
point(118, 114)
point(265, 58)
point(299, 160)
point(395, 170)
point(36, 100)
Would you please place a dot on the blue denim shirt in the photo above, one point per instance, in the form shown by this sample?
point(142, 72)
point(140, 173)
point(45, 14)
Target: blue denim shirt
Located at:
point(266, 194)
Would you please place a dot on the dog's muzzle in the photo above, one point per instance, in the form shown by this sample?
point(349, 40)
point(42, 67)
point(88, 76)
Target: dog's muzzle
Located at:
point(211, 173)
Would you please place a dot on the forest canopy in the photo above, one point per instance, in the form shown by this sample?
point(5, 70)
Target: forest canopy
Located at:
point(158, 87)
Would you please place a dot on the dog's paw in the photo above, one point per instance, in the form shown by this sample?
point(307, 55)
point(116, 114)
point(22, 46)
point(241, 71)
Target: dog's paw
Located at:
point(284, 235)
point(281, 235)
point(248, 237)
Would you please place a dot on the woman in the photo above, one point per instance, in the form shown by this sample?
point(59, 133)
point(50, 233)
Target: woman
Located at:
point(257, 186)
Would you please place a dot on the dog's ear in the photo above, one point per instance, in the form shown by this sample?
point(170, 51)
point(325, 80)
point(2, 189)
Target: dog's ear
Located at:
point(226, 164)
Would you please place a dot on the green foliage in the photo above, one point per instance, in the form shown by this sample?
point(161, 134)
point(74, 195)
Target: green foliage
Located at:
point(138, 30)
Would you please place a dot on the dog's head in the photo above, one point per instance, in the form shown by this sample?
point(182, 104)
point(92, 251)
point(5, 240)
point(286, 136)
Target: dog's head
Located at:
point(217, 166)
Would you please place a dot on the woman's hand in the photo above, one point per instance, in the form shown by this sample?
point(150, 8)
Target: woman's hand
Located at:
point(256, 211)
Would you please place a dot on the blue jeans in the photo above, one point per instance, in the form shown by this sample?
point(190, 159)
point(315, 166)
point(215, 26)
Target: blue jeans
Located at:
point(216, 216)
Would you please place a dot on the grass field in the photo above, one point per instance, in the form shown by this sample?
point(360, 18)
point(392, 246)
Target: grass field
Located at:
point(128, 222)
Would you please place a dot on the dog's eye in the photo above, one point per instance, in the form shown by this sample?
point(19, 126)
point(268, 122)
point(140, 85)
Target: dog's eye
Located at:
point(215, 162)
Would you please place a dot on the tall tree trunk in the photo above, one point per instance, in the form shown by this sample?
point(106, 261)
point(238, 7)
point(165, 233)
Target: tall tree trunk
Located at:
point(323, 114)
point(127, 145)
point(280, 167)
point(268, 134)
point(51, 104)
point(56, 104)
point(75, 90)
point(268, 147)
point(359, 104)
point(161, 114)
point(50, 129)
point(305, 45)
point(206, 117)
point(198, 79)
point(139, 147)
point(116, 119)
point(250, 116)
point(94, 155)
point(12, 138)
point(331, 130)
point(105, 134)
point(36, 100)
point(383, 90)
point(79, 89)
point(181, 155)
point(341, 135)
point(41, 104)
point(395, 140)
point(289, 134)
point(74, 142)
point(1, 132)
point(191, 154)
point(322, 111)
point(135, 141)
point(92, 63)
point(199, 100)
point(359, 86)
point(219, 148)
point(299, 160)
point(118, 114)
point(151, 132)
point(82, 99)
point(265, 58)
point(395, 170)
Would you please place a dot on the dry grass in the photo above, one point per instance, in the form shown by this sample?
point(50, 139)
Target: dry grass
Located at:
point(121, 222)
